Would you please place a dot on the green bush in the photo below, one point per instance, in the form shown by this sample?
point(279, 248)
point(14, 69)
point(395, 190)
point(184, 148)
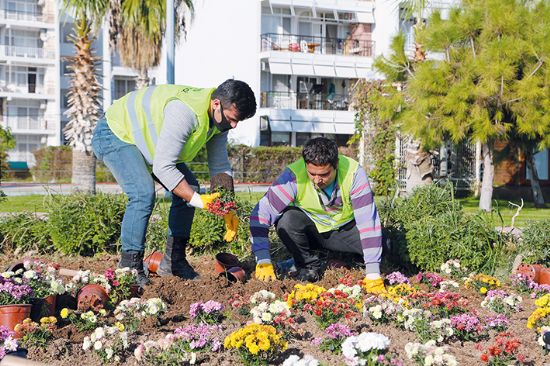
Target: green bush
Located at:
point(25, 231)
point(155, 239)
point(85, 224)
point(536, 242)
point(261, 164)
point(53, 164)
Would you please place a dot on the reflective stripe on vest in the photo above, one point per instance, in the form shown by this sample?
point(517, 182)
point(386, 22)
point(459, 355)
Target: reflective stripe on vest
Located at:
point(138, 136)
point(307, 197)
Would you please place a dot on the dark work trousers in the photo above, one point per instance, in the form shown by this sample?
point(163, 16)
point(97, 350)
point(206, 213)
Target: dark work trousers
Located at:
point(302, 239)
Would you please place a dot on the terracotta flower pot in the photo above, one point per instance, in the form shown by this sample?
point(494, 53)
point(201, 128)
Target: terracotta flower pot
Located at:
point(531, 271)
point(11, 315)
point(235, 274)
point(92, 297)
point(544, 276)
point(43, 307)
point(152, 261)
point(225, 261)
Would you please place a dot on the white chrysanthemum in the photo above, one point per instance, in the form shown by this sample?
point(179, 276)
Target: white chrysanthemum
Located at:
point(294, 360)
point(30, 274)
point(87, 344)
point(267, 317)
point(98, 345)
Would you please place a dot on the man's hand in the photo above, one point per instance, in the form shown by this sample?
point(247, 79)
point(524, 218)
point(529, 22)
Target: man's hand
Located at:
point(231, 226)
point(265, 272)
point(203, 200)
point(374, 286)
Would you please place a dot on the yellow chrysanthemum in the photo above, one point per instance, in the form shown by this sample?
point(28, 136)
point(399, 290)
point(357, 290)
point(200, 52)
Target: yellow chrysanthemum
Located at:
point(536, 316)
point(483, 290)
point(64, 313)
point(543, 301)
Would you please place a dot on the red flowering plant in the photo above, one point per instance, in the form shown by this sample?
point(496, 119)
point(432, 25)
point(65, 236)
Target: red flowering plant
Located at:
point(331, 307)
point(441, 304)
point(120, 283)
point(431, 279)
point(504, 351)
point(240, 304)
point(224, 204)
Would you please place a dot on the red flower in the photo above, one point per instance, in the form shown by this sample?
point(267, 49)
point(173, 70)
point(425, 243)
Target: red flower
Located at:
point(484, 357)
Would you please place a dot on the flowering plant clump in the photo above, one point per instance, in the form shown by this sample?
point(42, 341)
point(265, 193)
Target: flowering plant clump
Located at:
point(501, 302)
point(34, 334)
point(332, 307)
point(353, 292)
point(431, 279)
point(403, 289)
point(131, 312)
point(109, 343)
point(482, 283)
point(335, 335)
point(210, 312)
point(256, 343)
point(239, 303)
point(497, 322)
point(270, 311)
point(503, 352)
point(7, 342)
point(429, 354)
point(397, 278)
point(467, 327)
point(42, 278)
point(522, 283)
point(120, 282)
point(166, 351)
point(13, 291)
point(364, 349)
point(539, 318)
point(443, 304)
point(199, 337)
point(441, 330)
point(382, 311)
point(224, 204)
point(307, 360)
point(448, 285)
point(453, 269)
point(303, 294)
point(84, 321)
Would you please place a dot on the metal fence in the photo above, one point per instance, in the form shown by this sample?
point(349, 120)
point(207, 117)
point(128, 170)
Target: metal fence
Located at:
point(319, 45)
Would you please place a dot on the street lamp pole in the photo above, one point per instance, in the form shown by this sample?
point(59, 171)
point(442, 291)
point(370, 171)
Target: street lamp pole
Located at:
point(170, 42)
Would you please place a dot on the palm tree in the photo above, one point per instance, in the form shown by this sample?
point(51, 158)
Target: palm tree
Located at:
point(142, 27)
point(418, 161)
point(84, 97)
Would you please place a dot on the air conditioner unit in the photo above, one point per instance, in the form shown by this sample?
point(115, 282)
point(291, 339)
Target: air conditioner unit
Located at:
point(264, 123)
point(43, 105)
point(44, 36)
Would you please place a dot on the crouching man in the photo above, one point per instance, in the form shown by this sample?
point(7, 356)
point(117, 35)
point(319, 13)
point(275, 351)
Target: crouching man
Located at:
point(323, 200)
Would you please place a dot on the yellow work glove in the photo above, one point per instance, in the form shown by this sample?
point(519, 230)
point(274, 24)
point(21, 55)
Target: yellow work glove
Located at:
point(231, 226)
point(265, 272)
point(203, 200)
point(374, 286)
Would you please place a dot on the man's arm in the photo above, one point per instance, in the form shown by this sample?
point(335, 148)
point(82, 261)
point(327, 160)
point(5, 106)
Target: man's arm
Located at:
point(281, 194)
point(179, 123)
point(367, 220)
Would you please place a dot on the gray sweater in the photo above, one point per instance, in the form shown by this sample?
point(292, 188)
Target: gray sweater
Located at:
point(179, 123)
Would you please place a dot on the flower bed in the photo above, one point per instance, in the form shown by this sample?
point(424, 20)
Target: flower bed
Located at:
point(211, 321)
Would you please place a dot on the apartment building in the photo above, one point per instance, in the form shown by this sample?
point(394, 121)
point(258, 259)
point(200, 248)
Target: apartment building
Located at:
point(29, 85)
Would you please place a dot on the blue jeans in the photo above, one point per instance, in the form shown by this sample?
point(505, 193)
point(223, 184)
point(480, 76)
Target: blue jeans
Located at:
point(131, 172)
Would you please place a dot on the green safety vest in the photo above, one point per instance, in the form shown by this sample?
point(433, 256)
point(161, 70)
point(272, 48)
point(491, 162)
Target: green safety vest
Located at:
point(137, 118)
point(307, 197)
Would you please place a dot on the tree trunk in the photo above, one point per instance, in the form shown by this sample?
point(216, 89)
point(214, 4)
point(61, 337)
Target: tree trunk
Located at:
point(538, 198)
point(419, 166)
point(83, 178)
point(142, 79)
point(487, 181)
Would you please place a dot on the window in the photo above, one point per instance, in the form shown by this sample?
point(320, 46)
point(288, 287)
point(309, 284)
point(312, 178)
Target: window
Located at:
point(302, 138)
point(123, 86)
point(64, 98)
point(64, 69)
point(66, 31)
point(280, 139)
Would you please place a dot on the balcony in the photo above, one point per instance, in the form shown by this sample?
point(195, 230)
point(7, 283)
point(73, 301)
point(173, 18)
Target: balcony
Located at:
point(316, 45)
point(292, 100)
point(39, 124)
point(28, 53)
point(22, 16)
point(26, 91)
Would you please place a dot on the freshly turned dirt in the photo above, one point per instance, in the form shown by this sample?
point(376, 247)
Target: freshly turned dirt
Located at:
point(66, 349)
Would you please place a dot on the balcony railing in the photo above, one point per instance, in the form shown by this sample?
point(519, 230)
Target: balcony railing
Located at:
point(319, 45)
point(38, 123)
point(31, 52)
point(27, 88)
point(292, 100)
point(26, 16)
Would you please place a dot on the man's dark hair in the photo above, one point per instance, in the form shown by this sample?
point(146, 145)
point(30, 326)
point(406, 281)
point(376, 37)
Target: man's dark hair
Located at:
point(239, 93)
point(321, 151)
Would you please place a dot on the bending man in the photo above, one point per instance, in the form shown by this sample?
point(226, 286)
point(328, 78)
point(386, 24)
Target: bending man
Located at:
point(165, 126)
point(323, 200)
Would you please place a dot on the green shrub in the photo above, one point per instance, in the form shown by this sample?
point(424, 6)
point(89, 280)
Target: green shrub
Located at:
point(103, 174)
point(85, 224)
point(261, 164)
point(25, 231)
point(53, 164)
point(155, 239)
point(536, 242)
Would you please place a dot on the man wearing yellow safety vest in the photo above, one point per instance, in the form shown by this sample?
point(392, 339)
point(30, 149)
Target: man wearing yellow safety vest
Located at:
point(323, 200)
point(165, 126)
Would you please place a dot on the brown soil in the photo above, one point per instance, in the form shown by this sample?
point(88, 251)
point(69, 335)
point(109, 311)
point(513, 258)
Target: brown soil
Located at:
point(179, 294)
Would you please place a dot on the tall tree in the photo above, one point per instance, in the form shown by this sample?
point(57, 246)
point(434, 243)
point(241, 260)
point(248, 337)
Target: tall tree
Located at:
point(142, 26)
point(491, 83)
point(84, 96)
point(7, 142)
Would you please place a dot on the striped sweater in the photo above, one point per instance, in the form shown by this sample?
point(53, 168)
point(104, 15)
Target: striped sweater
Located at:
point(282, 194)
